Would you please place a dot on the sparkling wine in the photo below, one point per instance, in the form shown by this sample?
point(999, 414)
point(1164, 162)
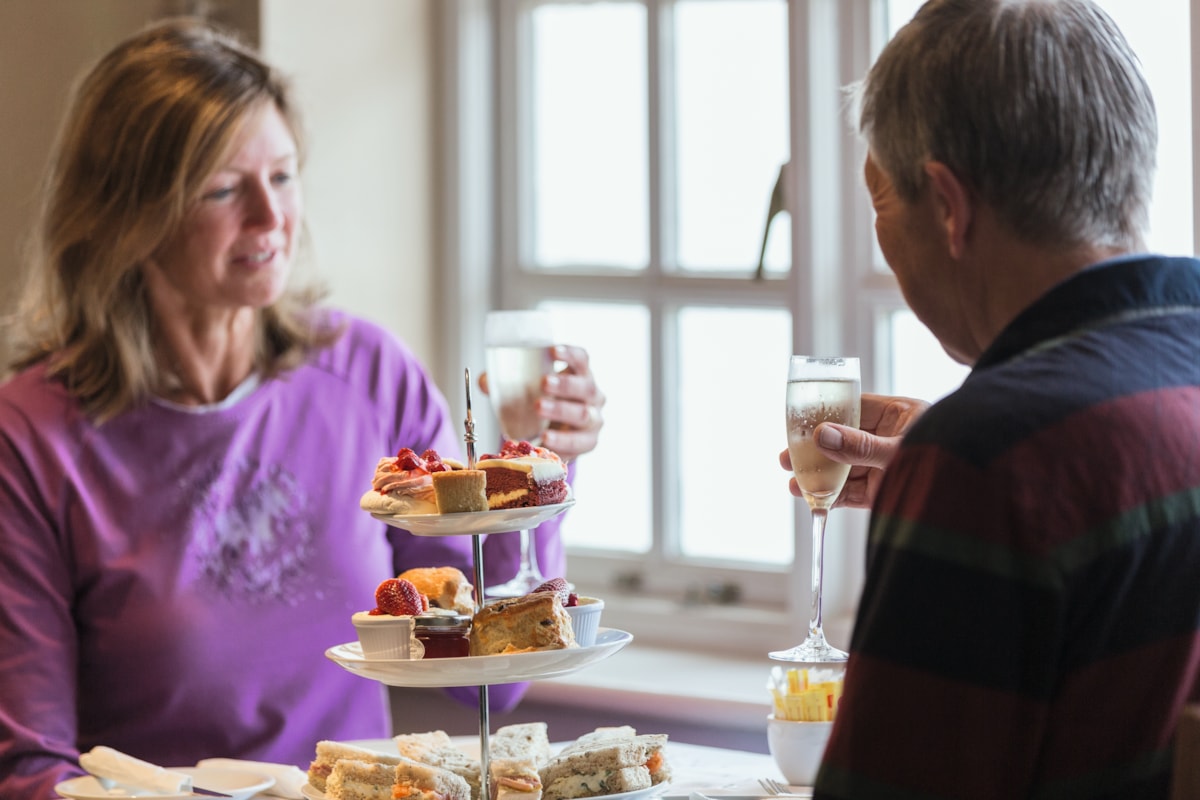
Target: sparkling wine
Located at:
point(514, 377)
point(809, 403)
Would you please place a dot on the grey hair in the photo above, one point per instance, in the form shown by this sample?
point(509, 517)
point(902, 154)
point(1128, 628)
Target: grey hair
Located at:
point(1038, 106)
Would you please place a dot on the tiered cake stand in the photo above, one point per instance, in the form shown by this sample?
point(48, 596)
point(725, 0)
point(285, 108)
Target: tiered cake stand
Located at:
point(480, 671)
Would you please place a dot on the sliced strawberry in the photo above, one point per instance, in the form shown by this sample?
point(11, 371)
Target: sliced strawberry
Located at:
point(407, 459)
point(400, 598)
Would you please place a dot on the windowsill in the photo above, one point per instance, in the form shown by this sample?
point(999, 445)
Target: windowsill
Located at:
point(685, 686)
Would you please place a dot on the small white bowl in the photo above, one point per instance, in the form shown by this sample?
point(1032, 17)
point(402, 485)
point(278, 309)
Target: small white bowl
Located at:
point(797, 748)
point(585, 619)
point(384, 636)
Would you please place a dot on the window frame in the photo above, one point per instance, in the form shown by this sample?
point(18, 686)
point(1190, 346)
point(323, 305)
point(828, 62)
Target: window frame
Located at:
point(832, 225)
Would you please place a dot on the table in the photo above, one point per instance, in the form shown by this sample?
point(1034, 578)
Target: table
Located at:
point(699, 768)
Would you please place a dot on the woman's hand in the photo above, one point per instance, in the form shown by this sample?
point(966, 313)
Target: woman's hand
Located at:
point(572, 403)
point(868, 449)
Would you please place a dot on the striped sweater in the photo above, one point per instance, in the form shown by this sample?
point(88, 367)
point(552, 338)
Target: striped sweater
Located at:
point(1030, 620)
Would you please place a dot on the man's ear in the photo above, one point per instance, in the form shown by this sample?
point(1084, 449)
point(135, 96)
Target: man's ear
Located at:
point(952, 204)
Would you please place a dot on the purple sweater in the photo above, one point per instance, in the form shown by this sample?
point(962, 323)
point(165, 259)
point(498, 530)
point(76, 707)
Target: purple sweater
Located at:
point(170, 580)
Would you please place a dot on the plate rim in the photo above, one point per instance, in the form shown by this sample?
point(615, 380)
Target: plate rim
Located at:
point(504, 521)
point(428, 674)
point(263, 782)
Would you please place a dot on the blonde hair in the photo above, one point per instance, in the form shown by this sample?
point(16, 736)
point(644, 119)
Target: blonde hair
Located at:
point(146, 127)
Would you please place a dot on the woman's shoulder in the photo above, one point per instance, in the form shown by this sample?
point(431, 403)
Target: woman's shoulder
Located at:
point(32, 393)
point(369, 356)
point(39, 415)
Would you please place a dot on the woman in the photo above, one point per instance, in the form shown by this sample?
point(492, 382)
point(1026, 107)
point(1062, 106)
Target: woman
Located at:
point(184, 443)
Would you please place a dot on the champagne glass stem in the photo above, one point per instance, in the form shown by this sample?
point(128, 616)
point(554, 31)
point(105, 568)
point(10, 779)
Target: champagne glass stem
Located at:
point(529, 562)
point(815, 626)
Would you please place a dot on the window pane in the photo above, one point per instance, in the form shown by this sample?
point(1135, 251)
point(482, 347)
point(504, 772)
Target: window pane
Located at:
point(1160, 34)
point(920, 367)
point(734, 502)
point(617, 338)
point(588, 150)
point(731, 72)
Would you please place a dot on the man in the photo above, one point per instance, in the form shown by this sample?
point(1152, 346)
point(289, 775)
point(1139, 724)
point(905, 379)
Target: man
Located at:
point(1029, 620)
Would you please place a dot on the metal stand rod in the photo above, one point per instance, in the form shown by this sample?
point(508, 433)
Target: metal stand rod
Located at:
point(484, 723)
point(485, 792)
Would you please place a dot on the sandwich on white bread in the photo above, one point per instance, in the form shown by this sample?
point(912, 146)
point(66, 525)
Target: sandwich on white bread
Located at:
point(514, 779)
point(608, 766)
point(598, 736)
point(360, 780)
point(416, 781)
point(329, 753)
point(517, 751)
point(437, 749)
point(407, 780)
point(526, 740)
point(656, 762)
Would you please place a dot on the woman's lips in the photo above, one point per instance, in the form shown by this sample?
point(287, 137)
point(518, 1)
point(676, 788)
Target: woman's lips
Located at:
point(258, 258)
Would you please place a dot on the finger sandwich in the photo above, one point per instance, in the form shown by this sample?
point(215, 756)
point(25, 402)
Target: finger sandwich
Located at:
point(329, 753)
point(608, 766)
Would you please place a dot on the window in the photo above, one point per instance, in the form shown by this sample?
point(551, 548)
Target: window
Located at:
point(615, 163)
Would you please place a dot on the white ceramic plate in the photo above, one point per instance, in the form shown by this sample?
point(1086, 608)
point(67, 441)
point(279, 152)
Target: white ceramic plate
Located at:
point(472, 522)
point(238, 783)
point(478, 670)
point(654, 791)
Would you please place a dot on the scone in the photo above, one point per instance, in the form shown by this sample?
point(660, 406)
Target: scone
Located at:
point(446, 587)
point(522, 624)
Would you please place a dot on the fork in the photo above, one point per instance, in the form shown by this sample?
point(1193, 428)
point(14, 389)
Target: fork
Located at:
point(777, 789)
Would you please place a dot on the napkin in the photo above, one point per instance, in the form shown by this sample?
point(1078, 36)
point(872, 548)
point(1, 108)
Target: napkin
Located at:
point(108, 764)
point(288, 778)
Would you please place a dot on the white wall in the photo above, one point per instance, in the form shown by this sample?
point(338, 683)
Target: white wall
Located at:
point(364, 77)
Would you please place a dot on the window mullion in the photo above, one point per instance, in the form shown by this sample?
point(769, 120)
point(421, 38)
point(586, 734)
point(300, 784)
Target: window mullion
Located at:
point(661, 163)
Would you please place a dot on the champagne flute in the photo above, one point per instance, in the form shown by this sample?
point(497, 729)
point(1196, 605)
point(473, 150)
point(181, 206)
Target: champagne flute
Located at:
point(517, 345)
point(818, 390)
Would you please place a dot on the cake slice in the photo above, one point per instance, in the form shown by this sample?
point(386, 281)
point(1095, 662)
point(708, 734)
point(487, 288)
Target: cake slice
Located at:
point(460, 491)
point(330, 753)
point(522, 475)
point(522, 624)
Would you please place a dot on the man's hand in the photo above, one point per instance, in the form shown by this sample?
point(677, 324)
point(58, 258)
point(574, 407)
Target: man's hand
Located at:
point(868, 449)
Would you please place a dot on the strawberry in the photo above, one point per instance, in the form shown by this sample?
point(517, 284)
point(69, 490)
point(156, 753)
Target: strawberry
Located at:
point(407, 459)
point(558, 585)
point(434, 462)
point(572, 600)
point(400, 598)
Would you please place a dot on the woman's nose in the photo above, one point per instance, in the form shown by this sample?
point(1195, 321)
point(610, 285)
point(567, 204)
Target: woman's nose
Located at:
point(264, 209)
